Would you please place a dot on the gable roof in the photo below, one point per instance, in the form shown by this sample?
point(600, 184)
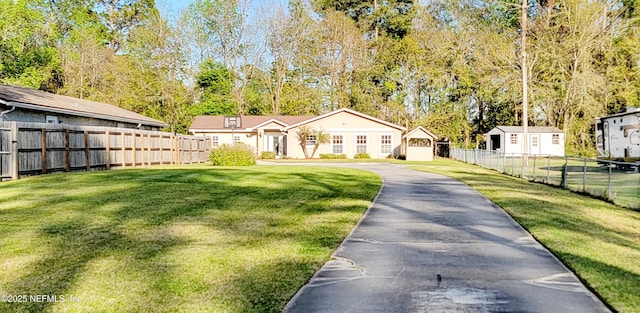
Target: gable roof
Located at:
point(26, 98)
point(530, 129)
point(249, 122)
point(422, 129)
point(369, 117)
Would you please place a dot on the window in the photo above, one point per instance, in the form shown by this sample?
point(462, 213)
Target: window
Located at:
point(236, 139)
point(514, 139)
point(385, 144)
point(215, 141)
point(52, 119)
point(534, 141)
point(310, 140)
point(555, 139)
point(337, 144)
point(361, 144)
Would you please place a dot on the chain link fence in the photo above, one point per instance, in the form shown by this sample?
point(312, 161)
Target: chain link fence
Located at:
point(618, 182)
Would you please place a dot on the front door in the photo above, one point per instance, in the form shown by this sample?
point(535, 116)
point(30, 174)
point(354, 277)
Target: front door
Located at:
point(274, 143)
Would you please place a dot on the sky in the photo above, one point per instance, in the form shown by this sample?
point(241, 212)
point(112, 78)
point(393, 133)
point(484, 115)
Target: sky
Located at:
point(176, 5)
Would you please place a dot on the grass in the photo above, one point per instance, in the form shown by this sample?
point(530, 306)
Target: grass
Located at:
point(600, 242)
point(184, 239)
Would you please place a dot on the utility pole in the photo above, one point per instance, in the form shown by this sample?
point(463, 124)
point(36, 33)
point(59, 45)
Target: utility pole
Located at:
point(525, 81)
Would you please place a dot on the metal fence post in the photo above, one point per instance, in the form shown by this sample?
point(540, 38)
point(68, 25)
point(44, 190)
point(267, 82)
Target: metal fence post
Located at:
point(513, 165)
point(522, 164)
point(564, 173)
point(534, 167)
point(549, 169)
point(584, 176)
point(609, 183)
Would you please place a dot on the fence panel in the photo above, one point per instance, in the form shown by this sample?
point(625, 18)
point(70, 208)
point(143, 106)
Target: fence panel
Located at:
point(617, 181)
point(37, 148)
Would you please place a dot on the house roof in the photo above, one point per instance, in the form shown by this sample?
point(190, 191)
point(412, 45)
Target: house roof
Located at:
point(422, 129)
point(25, 98)
point(249, 122)
point(530, 129)
point(348, 111)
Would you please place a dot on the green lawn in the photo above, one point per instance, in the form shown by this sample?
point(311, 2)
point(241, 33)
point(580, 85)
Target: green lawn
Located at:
point(599, 241)
point(189, 239)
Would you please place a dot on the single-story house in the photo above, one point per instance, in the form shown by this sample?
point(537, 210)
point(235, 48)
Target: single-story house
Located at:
point(350, 132)
point(419, 144)
point(26, 105)
point(542, 140)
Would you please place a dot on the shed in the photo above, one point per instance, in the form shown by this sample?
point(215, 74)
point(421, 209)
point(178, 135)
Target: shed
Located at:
point(27, 105)
point(419, 144)
point(542, 140)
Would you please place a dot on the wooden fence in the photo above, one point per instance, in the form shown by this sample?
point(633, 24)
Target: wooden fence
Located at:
point(36, 148)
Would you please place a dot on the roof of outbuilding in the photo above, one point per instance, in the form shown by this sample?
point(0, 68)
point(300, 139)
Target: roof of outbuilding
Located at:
point(43, 101)
point(211, 122)
point(530, 129)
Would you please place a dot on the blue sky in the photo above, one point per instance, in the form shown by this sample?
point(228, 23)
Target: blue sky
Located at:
point(177, 5)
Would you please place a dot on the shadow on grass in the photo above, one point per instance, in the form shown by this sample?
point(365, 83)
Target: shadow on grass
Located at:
point(77, 219)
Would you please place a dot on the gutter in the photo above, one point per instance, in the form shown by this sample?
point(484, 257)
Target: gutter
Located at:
point(7, 111)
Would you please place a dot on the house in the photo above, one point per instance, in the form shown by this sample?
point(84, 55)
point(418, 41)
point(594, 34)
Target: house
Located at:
point(419, 144)
point(618, 136)
point(541, 140)
point(26, 105)
point(350, 132)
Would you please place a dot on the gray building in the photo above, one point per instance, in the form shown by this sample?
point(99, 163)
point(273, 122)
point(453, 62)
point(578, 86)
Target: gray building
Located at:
point(26, 105)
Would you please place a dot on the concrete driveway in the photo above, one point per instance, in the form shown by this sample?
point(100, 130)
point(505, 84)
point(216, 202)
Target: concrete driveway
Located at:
point(430, 243)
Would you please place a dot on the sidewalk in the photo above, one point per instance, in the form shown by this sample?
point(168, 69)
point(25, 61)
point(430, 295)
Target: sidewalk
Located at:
point(432, 244)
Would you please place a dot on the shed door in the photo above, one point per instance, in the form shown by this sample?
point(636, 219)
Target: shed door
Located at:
point(534, 144)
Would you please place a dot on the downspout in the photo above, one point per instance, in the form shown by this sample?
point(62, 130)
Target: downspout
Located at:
point(13, 107)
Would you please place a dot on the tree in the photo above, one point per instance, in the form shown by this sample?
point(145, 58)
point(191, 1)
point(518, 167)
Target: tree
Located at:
point(215, 85)
point(306, 134)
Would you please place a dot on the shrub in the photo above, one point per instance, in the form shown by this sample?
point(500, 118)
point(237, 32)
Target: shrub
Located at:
point(362, 156)
point(332, 156)
point(397, 156)
point(233, 155)
point(268, 155)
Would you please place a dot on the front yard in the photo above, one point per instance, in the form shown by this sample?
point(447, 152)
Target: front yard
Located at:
point(189, 239)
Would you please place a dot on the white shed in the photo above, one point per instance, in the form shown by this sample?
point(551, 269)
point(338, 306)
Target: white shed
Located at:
point(542, 140)
point(419, 144)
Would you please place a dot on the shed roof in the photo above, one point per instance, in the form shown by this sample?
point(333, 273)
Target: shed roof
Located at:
point(211, 122)
point(43, 101)
point(530, 129)
point(420, 129)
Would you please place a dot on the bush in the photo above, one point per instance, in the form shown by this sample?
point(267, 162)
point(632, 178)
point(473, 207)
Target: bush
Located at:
point(268, 155)
point(397, 156)
point(233, 155)
point(362, 156)
point(332, 156)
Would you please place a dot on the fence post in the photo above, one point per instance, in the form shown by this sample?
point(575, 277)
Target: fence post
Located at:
point(609, 183)
point(549, 169)
point(513, 165)
point(107, 149)
point(87, 159)
point(67, 152)
point(523, 158)
point(15, 163)
point(534, 167)
point(123, 148)
point(43, 153)
point(134, 150)
point(564, 173)
point(584, 176)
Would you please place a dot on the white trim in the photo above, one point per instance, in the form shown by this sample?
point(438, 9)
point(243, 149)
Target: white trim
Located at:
point(422, 129)
point(344, 138)
point(369, 117)
point(355, 142)
point(273, 120)
point(380, 144)
point(354, 130)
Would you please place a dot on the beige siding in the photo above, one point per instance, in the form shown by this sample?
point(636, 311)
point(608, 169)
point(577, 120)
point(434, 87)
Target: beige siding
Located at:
point(349, 126)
